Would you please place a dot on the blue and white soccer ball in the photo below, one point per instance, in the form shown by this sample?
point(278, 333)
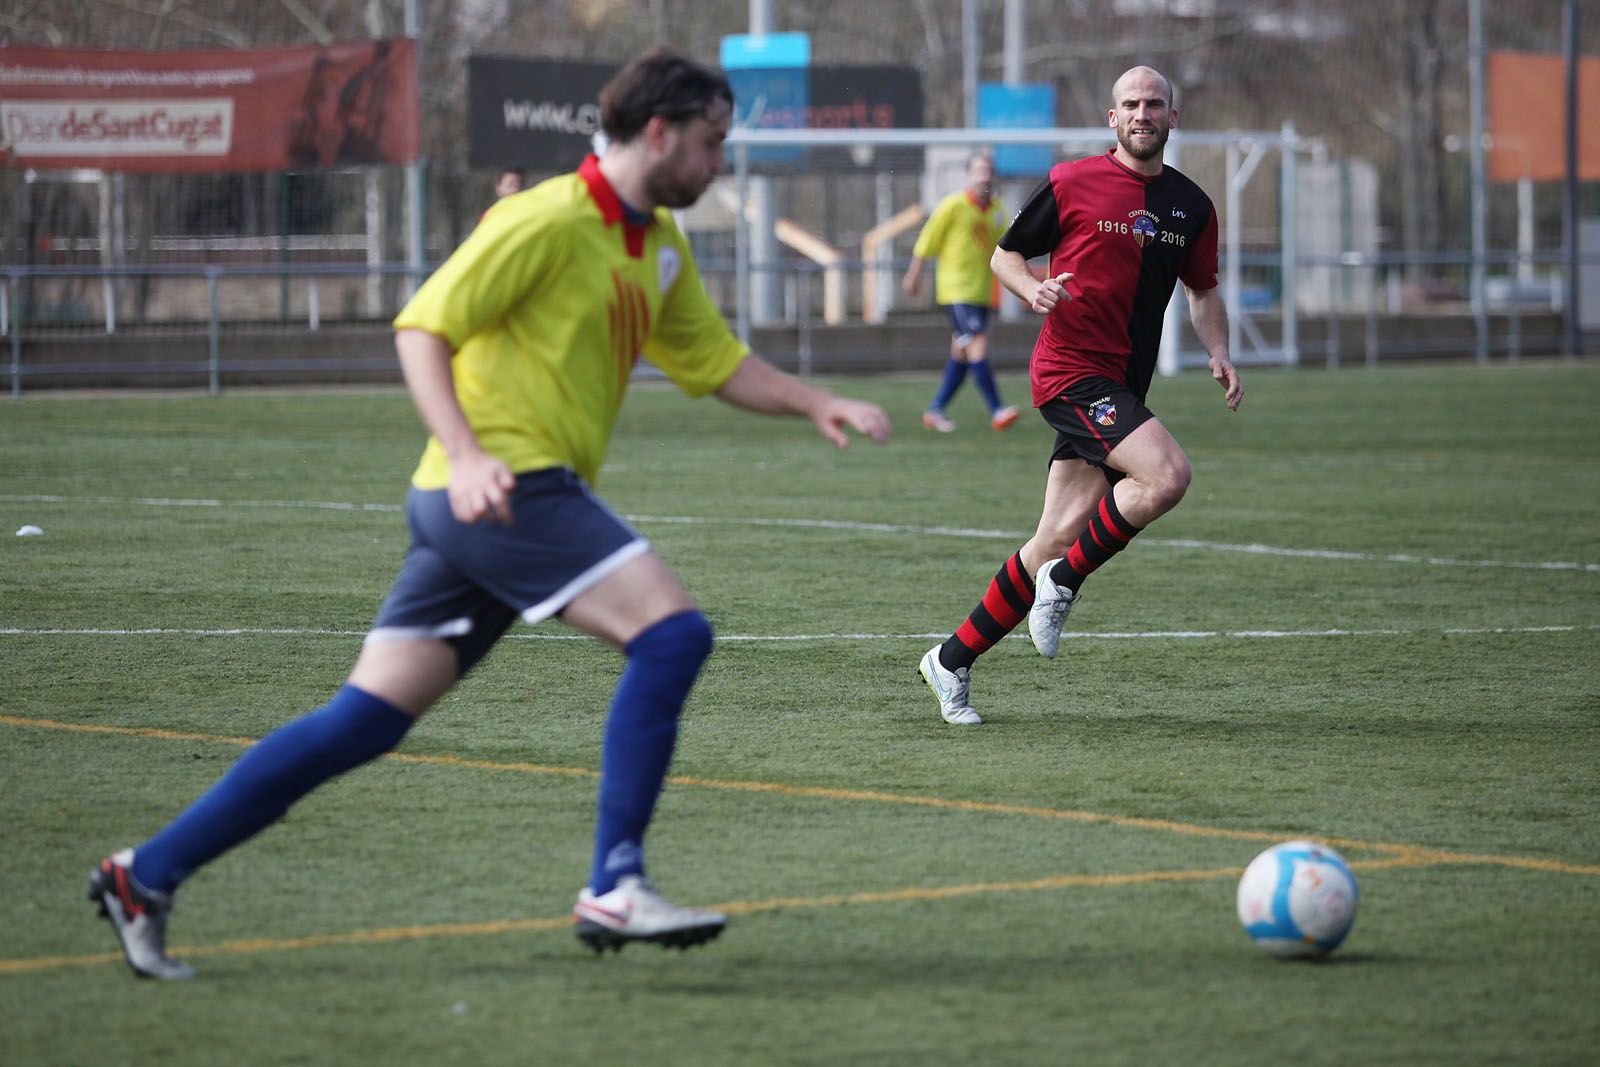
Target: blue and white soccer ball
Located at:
point(1298, 898)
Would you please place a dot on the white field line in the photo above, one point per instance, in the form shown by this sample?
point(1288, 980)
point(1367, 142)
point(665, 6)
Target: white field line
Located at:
point(969, 533)
point(1145, 635)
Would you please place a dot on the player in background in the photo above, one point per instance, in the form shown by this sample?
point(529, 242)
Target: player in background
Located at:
point(509, 180)
point(1121, 230)
point(960, 236)
point(517, 353)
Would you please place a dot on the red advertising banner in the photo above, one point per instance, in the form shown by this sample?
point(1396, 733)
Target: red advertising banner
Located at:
point(343, 104)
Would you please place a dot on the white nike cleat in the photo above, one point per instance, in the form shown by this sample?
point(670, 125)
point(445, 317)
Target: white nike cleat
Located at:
point(139, 917)
point(1051, 606)
point(935, 420)
point(951, 687)
point(634, 911)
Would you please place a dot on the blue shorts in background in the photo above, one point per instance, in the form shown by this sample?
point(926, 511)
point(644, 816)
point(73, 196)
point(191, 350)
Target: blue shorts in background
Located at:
point(967, 321)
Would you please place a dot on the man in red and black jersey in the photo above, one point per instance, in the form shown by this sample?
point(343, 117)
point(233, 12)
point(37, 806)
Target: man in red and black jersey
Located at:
point(1121, 230)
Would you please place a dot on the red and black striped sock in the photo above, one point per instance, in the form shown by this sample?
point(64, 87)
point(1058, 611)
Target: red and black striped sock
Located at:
point(1003, 607)
point(1107, 534)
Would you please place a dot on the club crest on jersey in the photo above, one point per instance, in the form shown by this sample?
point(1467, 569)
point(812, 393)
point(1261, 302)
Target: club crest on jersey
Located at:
point(667, 265)
point(1144, 228)
point(1103, 411)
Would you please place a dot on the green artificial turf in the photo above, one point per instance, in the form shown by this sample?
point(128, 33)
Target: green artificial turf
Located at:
point(1374, 620)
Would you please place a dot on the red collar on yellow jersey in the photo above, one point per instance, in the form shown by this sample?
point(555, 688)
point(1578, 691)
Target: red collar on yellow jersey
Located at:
point(611, 206)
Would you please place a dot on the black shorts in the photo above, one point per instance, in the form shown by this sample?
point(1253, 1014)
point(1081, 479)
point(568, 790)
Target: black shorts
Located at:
point(1091, 417)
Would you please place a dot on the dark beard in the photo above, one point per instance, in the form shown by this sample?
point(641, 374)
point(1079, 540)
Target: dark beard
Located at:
point(670, 194)
point(1144, 154)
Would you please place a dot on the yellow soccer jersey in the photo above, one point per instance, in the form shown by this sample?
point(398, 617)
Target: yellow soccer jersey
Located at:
point(962, 236)
point(548, 305)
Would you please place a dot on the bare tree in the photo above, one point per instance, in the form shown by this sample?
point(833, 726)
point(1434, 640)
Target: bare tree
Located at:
point(1421, 172)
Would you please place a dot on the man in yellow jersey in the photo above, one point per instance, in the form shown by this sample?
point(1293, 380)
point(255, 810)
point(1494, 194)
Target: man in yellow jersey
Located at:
point(517, 352)
point(961, 235)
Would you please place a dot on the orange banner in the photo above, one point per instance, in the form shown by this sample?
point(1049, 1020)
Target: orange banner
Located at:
point(343, 104)
point(1528, 117)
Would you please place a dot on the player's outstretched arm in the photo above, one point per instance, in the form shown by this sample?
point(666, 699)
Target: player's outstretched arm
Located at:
point(1210, 317)
point(759, 386)
point(480, 484)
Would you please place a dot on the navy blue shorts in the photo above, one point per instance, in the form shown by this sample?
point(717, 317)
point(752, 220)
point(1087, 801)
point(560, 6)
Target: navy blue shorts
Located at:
point(967, 321)
point(1091, 417)
point(465, 583)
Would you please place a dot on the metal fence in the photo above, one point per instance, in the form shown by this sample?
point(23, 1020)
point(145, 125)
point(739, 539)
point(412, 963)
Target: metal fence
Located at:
point(809, 254)
point(310, 324)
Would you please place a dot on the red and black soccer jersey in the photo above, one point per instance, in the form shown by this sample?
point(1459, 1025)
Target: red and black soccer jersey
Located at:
point(1127, 240)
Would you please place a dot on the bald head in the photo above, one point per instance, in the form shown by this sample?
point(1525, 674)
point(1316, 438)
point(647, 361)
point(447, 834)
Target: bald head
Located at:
point(1143, 115)
point(1140, 81)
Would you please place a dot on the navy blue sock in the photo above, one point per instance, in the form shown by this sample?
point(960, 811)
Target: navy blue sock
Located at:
point(984, 378)
point(278, 770)
point(955, 372)
point(641, 730)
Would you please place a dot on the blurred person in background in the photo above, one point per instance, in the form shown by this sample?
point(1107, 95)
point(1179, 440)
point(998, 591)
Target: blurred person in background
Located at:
point(510, 180)
point(960, 238)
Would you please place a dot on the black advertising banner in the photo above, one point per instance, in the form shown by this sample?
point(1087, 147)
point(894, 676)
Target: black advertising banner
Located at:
point(542, 114)
point(866, 98)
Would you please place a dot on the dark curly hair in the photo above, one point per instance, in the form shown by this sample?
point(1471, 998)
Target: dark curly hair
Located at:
point(661, 82)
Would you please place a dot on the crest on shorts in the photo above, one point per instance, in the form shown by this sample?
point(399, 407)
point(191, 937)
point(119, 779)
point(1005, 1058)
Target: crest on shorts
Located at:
point(1104, 412)
point(1144, 229)
point(667, 265)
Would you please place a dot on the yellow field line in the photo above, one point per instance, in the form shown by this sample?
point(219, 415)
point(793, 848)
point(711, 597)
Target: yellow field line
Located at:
point(985, 807)
point(741, 907)
point(1439, 857)
point(875, 797)
point(124, 731)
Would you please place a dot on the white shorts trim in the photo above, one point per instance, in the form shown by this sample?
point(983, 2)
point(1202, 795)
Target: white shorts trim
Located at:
point(584, 582)
point(453, 628)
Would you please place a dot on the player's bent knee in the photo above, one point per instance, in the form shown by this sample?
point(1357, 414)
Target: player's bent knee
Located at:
point(664, 661)
point(1168, 494)
point(1175, 484)
point(684, 638)
point(409, 674)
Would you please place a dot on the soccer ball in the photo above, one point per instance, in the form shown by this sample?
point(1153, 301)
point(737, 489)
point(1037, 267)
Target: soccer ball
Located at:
point(1297, 898)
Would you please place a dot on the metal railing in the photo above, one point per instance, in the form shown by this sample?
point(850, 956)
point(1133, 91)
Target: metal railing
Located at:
point(83, 308)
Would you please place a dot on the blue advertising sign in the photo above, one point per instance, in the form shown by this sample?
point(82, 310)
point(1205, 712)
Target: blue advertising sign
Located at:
point(1025, 106)
point(771, 86)
point(756, 51)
